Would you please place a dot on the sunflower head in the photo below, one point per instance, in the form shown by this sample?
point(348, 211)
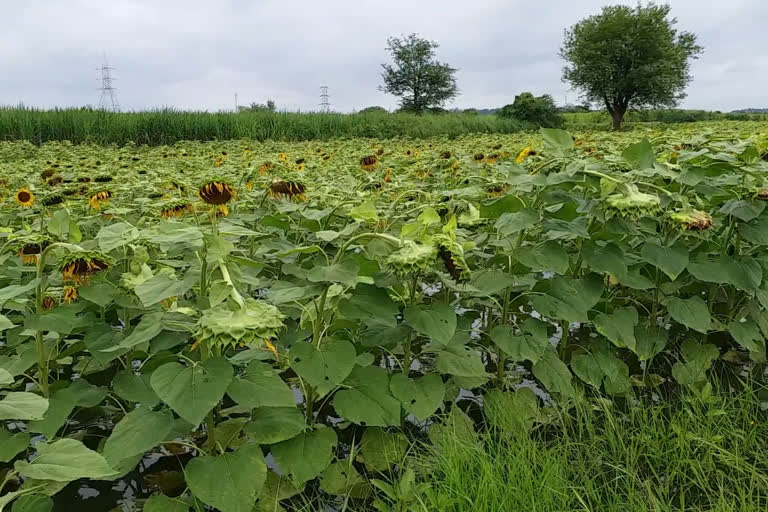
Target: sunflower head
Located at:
point(47, 173)
point(100, 198)
point(49, 302)
point(412, 257)
point(292, 189)
point(266, 168)
point(452, 254)
point(70, 294)
point(692, 220)
point(53, 199)
point(762, 194)
point(25, 197)
point(632, 203)
point(525, 153)
point(369, 163)
point(445, 154)
point(496, 189)
point(479, 157)
point(217, 191)
point(30, 251)
point(56, 180)
point(176, 209)
point(105, 178)
point(250, 325)
point(78, 267)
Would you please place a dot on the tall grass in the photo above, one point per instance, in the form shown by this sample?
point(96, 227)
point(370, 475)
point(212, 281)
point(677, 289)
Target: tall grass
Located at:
point(601, 120)
point(683, 456)
point(168, 126)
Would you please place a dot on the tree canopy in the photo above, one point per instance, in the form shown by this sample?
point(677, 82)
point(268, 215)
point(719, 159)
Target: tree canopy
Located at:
point(538, 110)
point(415, 76)
point(629, 57)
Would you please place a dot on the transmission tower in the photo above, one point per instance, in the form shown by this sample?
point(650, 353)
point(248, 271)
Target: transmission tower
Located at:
point(325, 99)
point(108, 100)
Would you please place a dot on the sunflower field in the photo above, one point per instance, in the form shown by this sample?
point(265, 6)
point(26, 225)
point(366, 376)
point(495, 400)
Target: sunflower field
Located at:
point(247, 326)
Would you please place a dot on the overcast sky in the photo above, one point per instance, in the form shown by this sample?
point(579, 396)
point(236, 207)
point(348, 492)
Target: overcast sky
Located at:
point(194, 54)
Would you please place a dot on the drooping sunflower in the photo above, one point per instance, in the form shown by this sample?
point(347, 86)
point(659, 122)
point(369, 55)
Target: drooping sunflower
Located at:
point(632, 203)
point(369, 163)
point(49, 302)
point(479, 157)
point(445, 155)
point(283, 157)
point(78, 267)
point(56, 180)
point(762, 194)
point(176, 209)
point(30, 251)
point(452, 254)
point(266, 168)
point(292, 189)
point(106, 178)
point(525, 153)
point(47, 173)
point(217, 192)
point(25, 197)
point(70, 294)
point(496, 189)
point(53, 199)
point(692, 220)
point(100, 198)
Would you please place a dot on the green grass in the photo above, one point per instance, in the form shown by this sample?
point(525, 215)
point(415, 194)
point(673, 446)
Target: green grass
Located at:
point(679, 456)
point(168, 126)
point(601, 120)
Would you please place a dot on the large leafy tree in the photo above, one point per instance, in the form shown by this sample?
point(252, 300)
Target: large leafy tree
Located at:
point(629, 57)
point(421, 82)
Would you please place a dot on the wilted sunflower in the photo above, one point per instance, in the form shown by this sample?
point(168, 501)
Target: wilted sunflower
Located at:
point(47, 174)
point(452, 254)
point(49, 302)
point(445, 154)
point(496, 190)
point(692, 220)
point(103, 179)
point(176, 209)
point(412, 257)
point(479, 157)
point(78, 267)
point(266, 167)
point(524, 154)
point(56, 180)
point(283, 157)
point(24, 197)
point(53, 199)
point(289, 189)
point(369, 163)
point(217, 192)
point(632, 202)
point(100, 198)
point(30, 252)
point(70, 294)
point(762, 194)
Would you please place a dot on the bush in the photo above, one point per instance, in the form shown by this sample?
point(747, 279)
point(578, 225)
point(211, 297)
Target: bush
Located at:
point(374, 110)
point(538, 110)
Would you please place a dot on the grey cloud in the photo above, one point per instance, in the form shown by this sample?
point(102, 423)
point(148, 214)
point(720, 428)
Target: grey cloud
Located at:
point(195, 54)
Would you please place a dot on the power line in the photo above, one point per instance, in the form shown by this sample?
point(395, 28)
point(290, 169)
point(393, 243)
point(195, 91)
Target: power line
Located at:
point(325, 99)
point(108, 100)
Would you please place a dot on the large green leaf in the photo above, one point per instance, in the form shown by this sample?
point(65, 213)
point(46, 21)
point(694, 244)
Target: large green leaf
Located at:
point(64, 460)
point(306, 455)
point(692, 312)
point(63, 402)
point(341, 478)
point(420, 397)
point(379, 449)
point(162, 286)
point(326, 368)
point(619, 326)
point(116, 235)
point(192, 391)
point(372, 305)
point(511, 411)
point(33, 503)
point(148, 327)
point(568, 299)
point(607, 259)
point(139, 431)
point(12, 444)
point(748, 335)
point(461, 361)
point(134, 388)
point(548, 256)
point(510, 223)
point(697, 360)
point(161, 503)
point(344, 273)
point(437, 321)
point(271, 425)
point(554, 374)
point(649, 341)
point(22, 406)
point(366, 398)
point(261, 386)
point(230, 482)
point(640, 156)
point(670, 260)
point(529, 344)
point(558, 142)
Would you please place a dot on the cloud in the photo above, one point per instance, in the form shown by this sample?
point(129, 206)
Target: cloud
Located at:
point(195, 55)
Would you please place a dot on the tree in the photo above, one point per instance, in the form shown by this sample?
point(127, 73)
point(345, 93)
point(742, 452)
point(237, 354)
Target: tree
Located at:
point(538, 110)
point(415, 76)
point(374, 110)
point(629, 57)
point(258, 107)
